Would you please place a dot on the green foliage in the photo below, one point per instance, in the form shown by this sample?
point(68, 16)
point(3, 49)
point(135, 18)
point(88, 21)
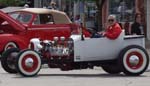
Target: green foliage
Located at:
point(11, 2)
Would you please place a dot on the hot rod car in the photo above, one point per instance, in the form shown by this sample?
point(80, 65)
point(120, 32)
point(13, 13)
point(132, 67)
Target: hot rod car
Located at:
point(125, 54)
point(18, 27)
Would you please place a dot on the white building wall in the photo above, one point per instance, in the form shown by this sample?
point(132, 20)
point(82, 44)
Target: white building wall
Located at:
point(42, 3)
point(76, 9)
point(37, 3)
point(148, 18)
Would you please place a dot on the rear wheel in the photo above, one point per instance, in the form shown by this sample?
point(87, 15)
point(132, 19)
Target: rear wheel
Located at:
point(8, 60)
point(133, 60)
point(111, 69)
point(28, 63)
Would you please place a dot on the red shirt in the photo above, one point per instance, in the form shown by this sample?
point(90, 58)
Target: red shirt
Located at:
point(113, 31)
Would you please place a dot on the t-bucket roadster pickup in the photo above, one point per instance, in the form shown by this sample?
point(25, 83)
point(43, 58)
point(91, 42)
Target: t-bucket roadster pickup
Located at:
point(125, 54)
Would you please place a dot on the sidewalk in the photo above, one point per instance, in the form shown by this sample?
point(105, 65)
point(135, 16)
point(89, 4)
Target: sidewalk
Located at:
point(147, 44)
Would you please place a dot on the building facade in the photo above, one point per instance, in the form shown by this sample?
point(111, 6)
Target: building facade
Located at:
point(147, 2)
point(41, 3)
point(125, 11)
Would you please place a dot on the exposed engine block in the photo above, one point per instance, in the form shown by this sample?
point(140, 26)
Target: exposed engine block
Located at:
point(57, 47)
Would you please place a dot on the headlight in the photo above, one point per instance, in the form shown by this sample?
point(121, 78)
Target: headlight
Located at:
point(62, 38)
point(56, 38)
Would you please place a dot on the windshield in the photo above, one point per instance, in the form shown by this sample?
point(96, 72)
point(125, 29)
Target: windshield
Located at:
point(21, 17)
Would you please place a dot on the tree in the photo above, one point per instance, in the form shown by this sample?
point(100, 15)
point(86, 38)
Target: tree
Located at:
point(11, 2)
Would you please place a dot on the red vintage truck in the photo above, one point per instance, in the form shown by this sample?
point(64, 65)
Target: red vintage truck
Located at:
point(17, 28)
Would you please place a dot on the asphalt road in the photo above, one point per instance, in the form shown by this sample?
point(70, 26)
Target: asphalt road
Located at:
point(87, 77)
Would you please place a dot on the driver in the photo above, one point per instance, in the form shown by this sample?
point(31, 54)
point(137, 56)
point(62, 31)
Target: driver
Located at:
point(113, 29)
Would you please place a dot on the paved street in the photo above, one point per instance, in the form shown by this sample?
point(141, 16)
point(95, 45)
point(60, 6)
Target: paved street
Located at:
point(88, 77)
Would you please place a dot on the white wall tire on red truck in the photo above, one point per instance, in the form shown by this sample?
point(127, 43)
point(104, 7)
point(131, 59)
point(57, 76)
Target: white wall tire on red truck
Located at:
point(28, 63)
point(133, 60)
point(10, 45)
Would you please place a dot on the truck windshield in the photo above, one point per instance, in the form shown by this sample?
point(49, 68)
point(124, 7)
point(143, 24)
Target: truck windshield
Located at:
point(24, 18)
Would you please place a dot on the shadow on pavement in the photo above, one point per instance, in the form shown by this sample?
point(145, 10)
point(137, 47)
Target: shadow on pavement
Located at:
point(82, 75)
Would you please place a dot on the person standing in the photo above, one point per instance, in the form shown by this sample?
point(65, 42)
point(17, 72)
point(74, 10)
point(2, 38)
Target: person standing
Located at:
point(26, 6)
point(137, 27)
point(52, 6)
point(78, 20)
point(122, 10)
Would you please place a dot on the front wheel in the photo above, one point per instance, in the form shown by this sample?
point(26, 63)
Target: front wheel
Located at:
point(133, 60)
point(28, 63)
point(8, 60)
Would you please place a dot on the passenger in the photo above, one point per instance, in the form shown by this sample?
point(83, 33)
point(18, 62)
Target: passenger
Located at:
point(113, 29)
point(137, 27)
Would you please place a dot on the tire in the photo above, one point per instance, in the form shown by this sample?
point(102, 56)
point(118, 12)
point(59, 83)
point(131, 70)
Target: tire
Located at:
point(10, 45)
point(8, 60)
point(133, 60)
point(28, 63)
point(111, 69)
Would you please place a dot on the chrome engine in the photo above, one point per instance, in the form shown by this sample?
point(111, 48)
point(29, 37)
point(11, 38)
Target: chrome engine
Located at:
point(58, 47)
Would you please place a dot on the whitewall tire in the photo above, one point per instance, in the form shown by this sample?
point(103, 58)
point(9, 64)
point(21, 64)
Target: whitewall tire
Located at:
point(133, 60)
point(10, 45)
point(28, 63)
